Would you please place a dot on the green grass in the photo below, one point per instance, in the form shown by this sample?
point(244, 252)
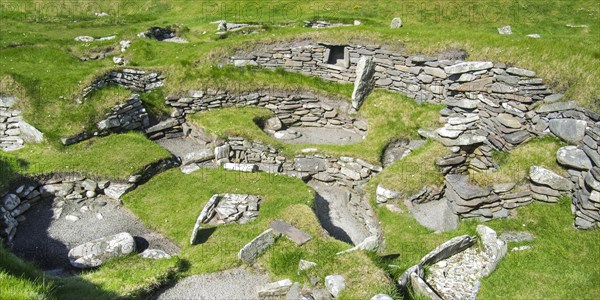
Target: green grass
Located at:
point(21, 280)
point(514, 166)
point(113, 157)
point(285, 198)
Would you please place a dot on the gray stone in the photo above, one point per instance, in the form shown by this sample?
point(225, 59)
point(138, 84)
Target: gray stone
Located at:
point(59, 189)
point(436, 215)
point(29, 133)
point(310, 165)
point(274, 289)
point(517, 236)
point(116, 190)
point(10, 201)
point(251, 251)
point(517, 137)
point(466, 190)
point(396, 23)
point(422, 288)
point(468, 67)
point(508, 120)
point(335, 284)
point(569, 130)
point(304, 265)
point(462, 140)
point(381, 297)
point(89, 185)
point(365, 68)
point(198, 156)
point(448, 249)
point(503, 187)
point(520, 72)
point(535, 36)
point(273, 124)
point(548, 178)
point(505, 30)
point(437, 72)
point(572, 157)
point(385, 195)
point(493, 247)
point(499, 87)
point(556, 106)
point(155, 254)
point(222, 152)
point(7, 101)
point(96, 252)
point(298, 236)
point(249, 168)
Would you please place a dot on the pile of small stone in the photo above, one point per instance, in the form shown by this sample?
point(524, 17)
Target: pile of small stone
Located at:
point(239, 208)
point(130, 115)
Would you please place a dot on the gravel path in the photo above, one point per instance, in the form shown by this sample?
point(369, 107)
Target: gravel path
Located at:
point(229, 284)
point(325, 136)
point(46, 239)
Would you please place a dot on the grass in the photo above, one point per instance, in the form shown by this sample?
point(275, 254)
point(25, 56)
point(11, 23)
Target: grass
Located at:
point(285, 198)
point(21, 280)
point(514, 166)
point(413, 172)
point(114, 157)
point(390, 116)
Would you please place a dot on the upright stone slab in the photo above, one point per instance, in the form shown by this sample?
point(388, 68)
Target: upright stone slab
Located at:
point(363, 85)
point(251, 251)
point(447, 249)
point(205, 215)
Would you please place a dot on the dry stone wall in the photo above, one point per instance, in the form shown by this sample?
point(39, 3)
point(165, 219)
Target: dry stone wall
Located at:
point(291, 108)
point(133, 79)
point(14, 131)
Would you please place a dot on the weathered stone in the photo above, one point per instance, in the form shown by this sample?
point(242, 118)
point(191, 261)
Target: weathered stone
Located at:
point(116, 190)
point(517, 236)
point(365, 68)
point(382, 297)
point(155, 254)
point(556, 106)
point(462, 186)
point(304, 265)
point(447, 249)
point(572, 157)
point(29, 133)
point(462, 140)
point(310, 165)
point(59, 189)
point(569, 130)
point(517, 137)
point(468, 67)
point(274, 289)
point(493, 247)
point(548, 178)
point(298, 236)
point(396, 23)
point(198, 156)
point(436, 215)
point(520, 72)
point(251, 251)
point(508, 120)
point(249, 168)
point(335, 284)
point(478, 85)
point(422, 288)
point(505, 30)
point(437, 72)
point(10, 201)
point(385, 195)
point(99, 251)
point(499, 87)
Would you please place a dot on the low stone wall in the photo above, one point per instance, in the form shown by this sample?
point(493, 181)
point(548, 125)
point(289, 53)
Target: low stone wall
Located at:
point(135, 80)
point(130, 115)
point(14, 131)
point(291, 108)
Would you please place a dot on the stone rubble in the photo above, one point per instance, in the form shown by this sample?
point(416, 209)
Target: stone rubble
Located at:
point(14, 131)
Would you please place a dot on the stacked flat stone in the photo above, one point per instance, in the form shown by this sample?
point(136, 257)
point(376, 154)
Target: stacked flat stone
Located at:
point(469, 200)
point(130, 115)
point(583, 164)
point(9, 125)
point(135, 80)
point(292, 109)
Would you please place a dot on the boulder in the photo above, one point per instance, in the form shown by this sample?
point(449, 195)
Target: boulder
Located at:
point(335, 284)
point(396, 23)
point(385, 195)
point(574, 158)
point(365, 68)
point(198, 156)
point(273, 124)
point(10, 201)
point(29, 133)
point(569, 130)
point(116, 190)
point(548, 178)
point(95, 253)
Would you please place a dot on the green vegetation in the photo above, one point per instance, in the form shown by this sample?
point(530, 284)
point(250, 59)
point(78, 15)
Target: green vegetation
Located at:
point(285, 198)
point(21, 280)
point(514, 166)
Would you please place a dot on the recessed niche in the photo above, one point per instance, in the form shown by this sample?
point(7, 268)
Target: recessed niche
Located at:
point(337, 55)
